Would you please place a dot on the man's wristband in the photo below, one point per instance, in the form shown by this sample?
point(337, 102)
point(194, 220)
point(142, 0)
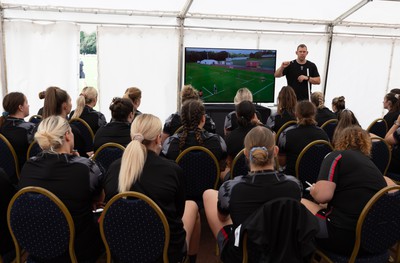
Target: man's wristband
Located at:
point(308, 78)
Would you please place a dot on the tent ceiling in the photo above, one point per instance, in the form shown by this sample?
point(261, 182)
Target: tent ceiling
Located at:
point(354, 13)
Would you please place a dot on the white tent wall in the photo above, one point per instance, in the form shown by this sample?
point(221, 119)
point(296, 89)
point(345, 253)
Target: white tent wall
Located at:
point(359, 70)
point(39, 56)
point(146, 58)
point(363, 65)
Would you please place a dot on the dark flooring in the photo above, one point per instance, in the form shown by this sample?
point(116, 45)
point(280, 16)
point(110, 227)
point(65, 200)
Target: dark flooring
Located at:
point(208, 245)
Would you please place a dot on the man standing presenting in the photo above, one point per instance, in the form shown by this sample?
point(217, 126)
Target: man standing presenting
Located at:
point(300, 73)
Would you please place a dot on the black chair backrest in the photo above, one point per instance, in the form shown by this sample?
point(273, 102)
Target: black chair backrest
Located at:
point(33, 150)
point(379, 224)
point(378, 127)
point(40, 224)
point(35, 118)
point(239, 165)
point(107, 154)
point(201, 171)
point(85, 130)
point(381, 154)
point(8, 159)
point(283, 128)
point(134, 229)
point(309, 161)
point(329, 127)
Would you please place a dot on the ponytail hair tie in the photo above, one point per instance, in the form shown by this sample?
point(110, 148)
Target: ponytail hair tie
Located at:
point(5, 113)
point(138, 137)
point(397, 96)
point(252, 150)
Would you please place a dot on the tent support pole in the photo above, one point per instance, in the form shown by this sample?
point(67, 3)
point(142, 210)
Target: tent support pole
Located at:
point(181, 21)
point(328, 56)
point(3, 69)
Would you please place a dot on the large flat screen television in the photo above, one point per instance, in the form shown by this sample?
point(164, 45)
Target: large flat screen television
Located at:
point(219, 72)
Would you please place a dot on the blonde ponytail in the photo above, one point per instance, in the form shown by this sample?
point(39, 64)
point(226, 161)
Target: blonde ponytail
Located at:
point(132, 164)
point(144, 130)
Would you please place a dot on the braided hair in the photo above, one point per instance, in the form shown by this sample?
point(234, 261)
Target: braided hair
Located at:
point(191, 114)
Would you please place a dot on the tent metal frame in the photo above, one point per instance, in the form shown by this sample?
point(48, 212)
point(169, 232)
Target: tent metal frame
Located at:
point(184, 14)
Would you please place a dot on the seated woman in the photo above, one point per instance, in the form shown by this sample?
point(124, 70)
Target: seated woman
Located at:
point(173, 122)
point(346, 182)
point(391, 103)
point(293, 140)
point(135, 95)
point(393, 138)
point(287, 101)
point(73, 179)
point(193, 120)
point(118, 130)
point(323, 113)
point(229, 207)
point(57, 102)
point(84, 109)
point(141, 169)
point(231, 121)
point(338, 104)
point(346, 118)
point(246, 119)
point(13, 126)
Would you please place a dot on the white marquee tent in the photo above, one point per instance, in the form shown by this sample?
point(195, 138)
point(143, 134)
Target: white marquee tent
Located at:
point(355, 44)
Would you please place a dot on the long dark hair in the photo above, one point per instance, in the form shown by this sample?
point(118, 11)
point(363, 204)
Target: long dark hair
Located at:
point(11, 103)
point(305, 112)
point(245, 111)
point(191, 113)
point(53, 101)
point(287, 101)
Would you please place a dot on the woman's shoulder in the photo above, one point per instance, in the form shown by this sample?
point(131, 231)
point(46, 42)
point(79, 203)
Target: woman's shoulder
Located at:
point(161, 161)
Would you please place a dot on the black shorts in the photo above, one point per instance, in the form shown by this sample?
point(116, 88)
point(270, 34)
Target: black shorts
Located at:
point(226, 244)
point(321, 218)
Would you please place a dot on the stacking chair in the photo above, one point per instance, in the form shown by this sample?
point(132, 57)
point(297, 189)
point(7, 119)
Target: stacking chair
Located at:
point(280, 231)
point(35, 118)
point(134, 229)
point(381, 154)
point(309, 161)
point(33, 150)
point(201, 171)
point(239, 165)
point(41, 225)
point(329, 127)
point(108, 153)
point(85, 130)
point(9, 159)
point(282, 128)
point(378, 127)
point(180, 129)
point(378, 229)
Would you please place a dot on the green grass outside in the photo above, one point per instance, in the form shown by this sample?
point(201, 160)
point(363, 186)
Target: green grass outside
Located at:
point(228, 81)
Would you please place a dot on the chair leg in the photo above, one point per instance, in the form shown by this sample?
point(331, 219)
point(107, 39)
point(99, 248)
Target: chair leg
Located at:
point(319, 257)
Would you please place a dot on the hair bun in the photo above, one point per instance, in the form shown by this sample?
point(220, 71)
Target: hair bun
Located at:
point(252, 150)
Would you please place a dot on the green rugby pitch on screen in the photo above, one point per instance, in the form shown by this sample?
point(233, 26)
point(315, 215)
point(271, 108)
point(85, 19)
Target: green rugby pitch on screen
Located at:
point(219, 73)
